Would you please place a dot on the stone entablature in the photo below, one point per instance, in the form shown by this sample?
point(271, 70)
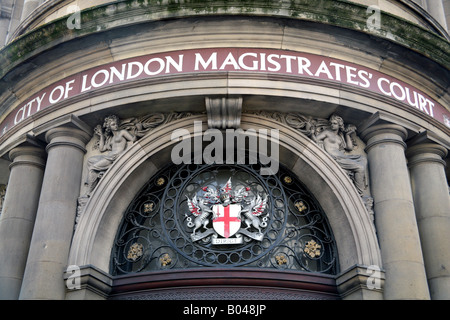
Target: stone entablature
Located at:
point(243, 60)
point(281, 63)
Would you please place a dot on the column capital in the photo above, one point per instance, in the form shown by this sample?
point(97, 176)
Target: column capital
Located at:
point(427, 146)
point(384, 133)
point(67, 136)
point(426, 152)
point(27, 155)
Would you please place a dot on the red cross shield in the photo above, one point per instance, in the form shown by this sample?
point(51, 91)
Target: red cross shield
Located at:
point(227, 219)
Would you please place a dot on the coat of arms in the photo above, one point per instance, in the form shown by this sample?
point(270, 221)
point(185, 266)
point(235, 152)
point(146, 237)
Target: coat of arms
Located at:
point(227, 215)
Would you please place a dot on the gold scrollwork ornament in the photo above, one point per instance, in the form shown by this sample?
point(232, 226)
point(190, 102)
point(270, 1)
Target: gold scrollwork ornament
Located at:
point(300, 206)
point(287, 179)
point(165, 260)
point(149, 207)
point(160, 181)
point(312, 249)
point(135, 252)
point(281, 259)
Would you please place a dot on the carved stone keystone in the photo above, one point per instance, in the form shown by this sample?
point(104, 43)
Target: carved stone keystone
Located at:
point(224, 112)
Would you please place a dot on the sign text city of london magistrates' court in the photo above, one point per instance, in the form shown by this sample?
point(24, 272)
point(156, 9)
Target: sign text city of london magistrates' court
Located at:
point(228, 60)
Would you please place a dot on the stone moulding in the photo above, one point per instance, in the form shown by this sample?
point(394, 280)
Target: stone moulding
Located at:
point(338, 13)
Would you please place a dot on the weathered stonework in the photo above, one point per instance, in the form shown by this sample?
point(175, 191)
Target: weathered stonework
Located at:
point(339, 13)
point(374, 162)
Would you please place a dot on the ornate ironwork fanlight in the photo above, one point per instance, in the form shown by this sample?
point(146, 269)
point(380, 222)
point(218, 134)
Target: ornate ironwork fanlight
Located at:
point(224, 216)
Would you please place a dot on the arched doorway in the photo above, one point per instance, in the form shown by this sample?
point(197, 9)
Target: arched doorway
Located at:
point(349, 222)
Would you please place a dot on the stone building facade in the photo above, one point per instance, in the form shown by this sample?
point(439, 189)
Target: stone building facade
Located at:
point(224, 149)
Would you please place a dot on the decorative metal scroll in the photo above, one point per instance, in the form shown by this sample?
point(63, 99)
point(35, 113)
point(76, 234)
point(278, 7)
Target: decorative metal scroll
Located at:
point(179, 221)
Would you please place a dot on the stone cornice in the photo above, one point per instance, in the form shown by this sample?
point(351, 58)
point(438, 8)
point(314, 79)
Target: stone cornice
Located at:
point(339, 13)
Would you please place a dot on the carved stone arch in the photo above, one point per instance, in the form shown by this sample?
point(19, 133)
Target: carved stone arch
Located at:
point(351, 224)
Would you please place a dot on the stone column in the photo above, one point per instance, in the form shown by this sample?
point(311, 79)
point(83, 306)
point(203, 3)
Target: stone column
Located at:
point(17, 219)
point(432, 204)
point(52, 234)
point(394, 213)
